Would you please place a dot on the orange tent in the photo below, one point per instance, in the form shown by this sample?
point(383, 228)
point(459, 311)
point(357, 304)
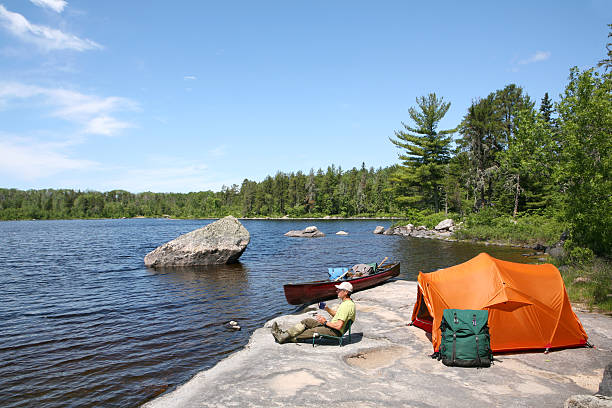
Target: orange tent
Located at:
point(528, 305)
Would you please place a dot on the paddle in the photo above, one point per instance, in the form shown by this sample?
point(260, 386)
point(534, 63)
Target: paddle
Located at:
point(341, 276)
point(383, 261)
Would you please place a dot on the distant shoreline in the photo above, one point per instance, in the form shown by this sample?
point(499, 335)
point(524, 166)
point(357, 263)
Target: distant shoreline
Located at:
point(327, 218)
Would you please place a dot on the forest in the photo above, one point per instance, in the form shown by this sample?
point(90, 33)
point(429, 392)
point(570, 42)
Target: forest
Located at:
point(511, 156)
point(363, 191)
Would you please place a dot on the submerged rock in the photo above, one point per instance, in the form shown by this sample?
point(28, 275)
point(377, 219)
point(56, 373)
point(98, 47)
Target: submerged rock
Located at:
point(221, 242)
point(341, 233)
point(232, 325)
point(308, 232)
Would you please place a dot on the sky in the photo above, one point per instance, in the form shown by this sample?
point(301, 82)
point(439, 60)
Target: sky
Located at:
point(194, 95)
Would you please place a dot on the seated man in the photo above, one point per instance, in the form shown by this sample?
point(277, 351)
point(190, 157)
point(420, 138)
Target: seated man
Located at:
point(307, 327)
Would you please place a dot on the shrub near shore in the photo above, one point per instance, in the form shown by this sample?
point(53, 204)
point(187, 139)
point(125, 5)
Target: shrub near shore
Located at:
point(488, 225)
point(525, 230)
point(589, 283)
point(588, 279)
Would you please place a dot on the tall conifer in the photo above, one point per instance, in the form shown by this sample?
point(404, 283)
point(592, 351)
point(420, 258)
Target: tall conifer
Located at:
point(425, 153)
point(546, 108)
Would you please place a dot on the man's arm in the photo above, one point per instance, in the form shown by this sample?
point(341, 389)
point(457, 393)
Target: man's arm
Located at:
point(334, 325)
point(329, 310)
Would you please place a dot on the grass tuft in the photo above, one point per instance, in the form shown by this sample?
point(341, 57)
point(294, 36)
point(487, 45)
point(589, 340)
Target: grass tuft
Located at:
point(590, 284)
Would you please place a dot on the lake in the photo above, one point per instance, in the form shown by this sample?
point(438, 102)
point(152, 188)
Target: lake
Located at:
point(85, 323)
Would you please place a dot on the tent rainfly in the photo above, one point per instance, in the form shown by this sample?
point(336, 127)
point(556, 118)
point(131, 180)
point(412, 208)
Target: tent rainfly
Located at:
point(528, 304)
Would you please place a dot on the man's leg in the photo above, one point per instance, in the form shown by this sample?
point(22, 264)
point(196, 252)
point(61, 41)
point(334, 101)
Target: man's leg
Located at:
point(312, 327)
point(284, 336)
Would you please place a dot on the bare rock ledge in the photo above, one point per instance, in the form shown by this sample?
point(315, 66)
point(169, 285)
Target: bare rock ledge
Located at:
point(387, 364)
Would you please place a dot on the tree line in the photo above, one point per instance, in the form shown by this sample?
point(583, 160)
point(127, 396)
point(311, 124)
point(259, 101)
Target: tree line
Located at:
point(508, 156)
point(363, 191)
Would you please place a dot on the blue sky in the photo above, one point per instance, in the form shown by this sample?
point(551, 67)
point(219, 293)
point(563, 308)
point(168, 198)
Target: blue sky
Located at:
point(192, 95)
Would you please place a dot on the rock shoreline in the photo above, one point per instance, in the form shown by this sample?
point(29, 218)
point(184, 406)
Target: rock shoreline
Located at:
point(445, 229)
point(387, 364)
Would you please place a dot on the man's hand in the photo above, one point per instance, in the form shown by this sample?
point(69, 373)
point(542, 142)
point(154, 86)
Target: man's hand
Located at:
point(321, 319)
point(331, 311)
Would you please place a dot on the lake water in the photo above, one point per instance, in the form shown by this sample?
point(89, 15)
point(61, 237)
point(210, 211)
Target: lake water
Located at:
point(84, 323)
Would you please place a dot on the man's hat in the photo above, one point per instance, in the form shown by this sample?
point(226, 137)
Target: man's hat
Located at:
point(345, 286)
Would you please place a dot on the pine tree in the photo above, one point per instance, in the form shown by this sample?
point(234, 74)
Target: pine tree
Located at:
point(480, 132)
point(425, 153)
point(546, 108)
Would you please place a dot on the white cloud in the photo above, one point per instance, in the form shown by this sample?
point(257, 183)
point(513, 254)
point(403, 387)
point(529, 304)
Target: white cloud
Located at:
point(106, 125)
point(45, 37)
point(27, 160)
point(537, 57)
point(74, 105)
point(94, 113)
point(218, 151)
point(55, 5)
point(190, 78)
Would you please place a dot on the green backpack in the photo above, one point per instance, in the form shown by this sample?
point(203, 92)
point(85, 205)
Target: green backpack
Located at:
point(465, 338)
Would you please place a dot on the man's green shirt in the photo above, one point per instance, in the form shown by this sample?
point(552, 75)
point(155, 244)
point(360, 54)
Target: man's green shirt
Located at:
point(345, 312)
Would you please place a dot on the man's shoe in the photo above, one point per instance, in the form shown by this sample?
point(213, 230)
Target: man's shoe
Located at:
point(281, 336)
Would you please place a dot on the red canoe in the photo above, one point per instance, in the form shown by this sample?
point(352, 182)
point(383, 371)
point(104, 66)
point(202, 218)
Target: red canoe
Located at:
point(310, 292)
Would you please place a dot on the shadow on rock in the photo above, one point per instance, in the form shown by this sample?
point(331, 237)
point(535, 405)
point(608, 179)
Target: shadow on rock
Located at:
point(323, 341)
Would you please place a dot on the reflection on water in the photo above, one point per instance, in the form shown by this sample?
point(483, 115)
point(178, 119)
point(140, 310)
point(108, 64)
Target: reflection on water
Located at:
point(208, 277)
point(86, 324)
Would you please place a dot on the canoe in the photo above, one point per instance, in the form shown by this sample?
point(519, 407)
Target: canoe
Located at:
point(310, 292)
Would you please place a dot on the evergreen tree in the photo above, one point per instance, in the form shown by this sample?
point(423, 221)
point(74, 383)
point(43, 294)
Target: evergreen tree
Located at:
point(425, 153)
point(509, 102)
point(487, 129)
point(480, 130)
point(546, 108)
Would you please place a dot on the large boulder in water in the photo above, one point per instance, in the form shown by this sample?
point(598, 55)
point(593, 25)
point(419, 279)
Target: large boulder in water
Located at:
point(221, 242)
